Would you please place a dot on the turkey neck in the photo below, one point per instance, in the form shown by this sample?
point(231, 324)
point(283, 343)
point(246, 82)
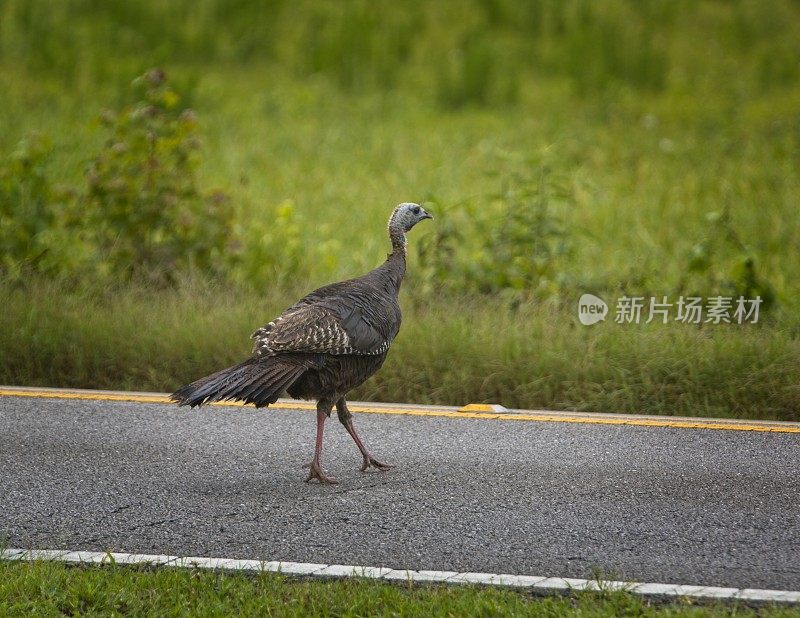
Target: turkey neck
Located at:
point(396, 261)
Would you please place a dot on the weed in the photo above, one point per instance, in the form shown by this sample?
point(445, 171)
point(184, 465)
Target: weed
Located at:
point(517, 244)
point(721, 264)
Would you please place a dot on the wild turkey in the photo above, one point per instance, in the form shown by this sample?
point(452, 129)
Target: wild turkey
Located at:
point(323, 346)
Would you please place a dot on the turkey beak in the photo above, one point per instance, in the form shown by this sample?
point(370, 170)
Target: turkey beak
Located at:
point(427, 215)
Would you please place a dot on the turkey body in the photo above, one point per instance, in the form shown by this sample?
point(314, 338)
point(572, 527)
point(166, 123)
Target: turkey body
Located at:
point(374, 300)
point(329, 342)
point(326, 344)
point(330, 375)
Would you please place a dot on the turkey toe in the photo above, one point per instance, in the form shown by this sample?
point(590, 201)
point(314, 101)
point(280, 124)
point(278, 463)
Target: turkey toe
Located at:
point(316, 472)
point(370, 461)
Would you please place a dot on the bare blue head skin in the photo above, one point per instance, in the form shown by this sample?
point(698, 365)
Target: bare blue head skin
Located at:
point(404, 217)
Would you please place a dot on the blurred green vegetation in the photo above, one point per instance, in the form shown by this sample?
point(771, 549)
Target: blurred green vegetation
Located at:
point(465, 52)
point(450, 351)
point(647, 148)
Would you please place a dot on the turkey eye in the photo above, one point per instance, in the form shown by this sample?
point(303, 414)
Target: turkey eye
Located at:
point(415, 210)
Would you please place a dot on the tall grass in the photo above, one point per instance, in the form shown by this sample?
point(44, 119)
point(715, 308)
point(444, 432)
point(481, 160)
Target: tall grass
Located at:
point(652, 45)
point(538, 356)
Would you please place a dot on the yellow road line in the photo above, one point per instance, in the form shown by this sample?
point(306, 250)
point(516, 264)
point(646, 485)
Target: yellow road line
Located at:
point(768, 427)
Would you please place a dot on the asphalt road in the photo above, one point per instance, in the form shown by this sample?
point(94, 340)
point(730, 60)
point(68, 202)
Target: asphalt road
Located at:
point(671, 505)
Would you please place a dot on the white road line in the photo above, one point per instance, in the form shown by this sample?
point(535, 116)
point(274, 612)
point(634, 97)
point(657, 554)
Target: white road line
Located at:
point(534, 584)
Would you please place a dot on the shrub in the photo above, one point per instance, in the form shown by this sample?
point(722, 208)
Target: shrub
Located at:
point(720, 264)
point(38, 221)
point(270, 250)
point(141, 213)
point(148, 216)
point(518, 244)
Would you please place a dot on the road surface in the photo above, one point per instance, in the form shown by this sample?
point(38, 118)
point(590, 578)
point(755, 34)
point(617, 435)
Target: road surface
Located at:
point(640, 503)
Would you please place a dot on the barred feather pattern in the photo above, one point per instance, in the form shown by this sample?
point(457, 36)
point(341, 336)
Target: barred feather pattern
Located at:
point(360, 318)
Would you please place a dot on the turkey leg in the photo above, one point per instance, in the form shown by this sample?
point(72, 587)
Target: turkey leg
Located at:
point(346, 418)
point(316, 471)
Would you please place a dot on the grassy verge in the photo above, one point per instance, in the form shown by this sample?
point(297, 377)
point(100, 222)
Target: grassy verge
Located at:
point(46, 589)
point(448, 352)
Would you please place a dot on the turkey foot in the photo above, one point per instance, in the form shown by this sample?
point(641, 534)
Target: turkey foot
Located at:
point(347, 420)
point(370, 461)
point(316, 472)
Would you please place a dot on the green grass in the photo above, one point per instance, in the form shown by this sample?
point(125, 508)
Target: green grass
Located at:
point(645, 119)
point(537, 356)
point(51, 589)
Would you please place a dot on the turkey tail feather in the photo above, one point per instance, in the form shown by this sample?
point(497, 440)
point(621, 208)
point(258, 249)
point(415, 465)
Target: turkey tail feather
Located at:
point(269, 392)
point(264, 381)
point(259, 381)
